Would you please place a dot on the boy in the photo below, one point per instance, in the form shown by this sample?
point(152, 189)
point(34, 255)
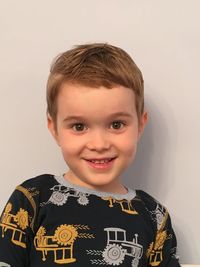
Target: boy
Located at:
point(87, 217)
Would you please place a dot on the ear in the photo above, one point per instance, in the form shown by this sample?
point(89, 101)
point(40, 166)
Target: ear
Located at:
point(142, 123)
point(52, 128)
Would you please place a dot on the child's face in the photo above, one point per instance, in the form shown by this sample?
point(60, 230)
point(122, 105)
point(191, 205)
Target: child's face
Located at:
point(91, 126)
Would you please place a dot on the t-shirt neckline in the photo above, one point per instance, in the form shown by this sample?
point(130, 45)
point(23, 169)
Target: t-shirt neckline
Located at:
point(128, 196)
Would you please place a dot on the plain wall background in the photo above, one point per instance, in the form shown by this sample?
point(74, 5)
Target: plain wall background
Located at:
point(163, 37)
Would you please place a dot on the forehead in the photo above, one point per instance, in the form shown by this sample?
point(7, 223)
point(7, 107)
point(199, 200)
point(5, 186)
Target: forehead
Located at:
point(75, 98)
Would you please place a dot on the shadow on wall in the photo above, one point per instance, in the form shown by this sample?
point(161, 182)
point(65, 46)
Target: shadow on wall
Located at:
point(151, 165)
point(152, 169)
point(184, 250)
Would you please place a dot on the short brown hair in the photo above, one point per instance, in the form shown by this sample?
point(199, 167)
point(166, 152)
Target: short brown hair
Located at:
point(94, 65)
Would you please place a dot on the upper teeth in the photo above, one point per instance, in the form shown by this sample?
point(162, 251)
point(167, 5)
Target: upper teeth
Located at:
point(100, 161)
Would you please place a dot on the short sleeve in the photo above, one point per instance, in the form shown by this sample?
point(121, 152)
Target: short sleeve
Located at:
point(16, 229)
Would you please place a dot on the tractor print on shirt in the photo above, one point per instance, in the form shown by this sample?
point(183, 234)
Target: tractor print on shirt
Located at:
point(16, 223)
point(158, 215)
point(117, 248)
point(155, 251)
point(126, 205)
point(61, 243)
point(61, 194)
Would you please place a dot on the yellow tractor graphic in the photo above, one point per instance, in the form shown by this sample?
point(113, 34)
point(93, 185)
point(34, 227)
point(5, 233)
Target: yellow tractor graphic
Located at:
point(125, 205)
point(154, 252)
point(118, 247)
point(16, 223)
point(155, 258)
point(61, 243)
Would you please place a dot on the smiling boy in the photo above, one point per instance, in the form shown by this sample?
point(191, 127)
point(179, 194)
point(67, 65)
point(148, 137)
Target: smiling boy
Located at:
point(97, 130)
point(87, 217)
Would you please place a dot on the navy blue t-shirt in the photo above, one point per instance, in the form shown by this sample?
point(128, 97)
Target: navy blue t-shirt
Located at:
point(49, 222)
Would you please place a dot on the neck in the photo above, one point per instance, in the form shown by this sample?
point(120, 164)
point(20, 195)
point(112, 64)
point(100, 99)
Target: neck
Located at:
point(116, 188)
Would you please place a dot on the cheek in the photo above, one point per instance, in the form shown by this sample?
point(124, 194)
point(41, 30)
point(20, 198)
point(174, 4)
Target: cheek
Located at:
point(129, 146)
point(70, 146)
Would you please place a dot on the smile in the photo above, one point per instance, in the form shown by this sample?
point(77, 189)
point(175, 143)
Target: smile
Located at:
point(101, 163)
point(100, 160)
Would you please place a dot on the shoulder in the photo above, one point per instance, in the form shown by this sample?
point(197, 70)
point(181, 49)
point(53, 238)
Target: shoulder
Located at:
point(25, 200)
point(36, 189)
point(30, 193)
point(39, 181)
point(149, 200)
point(157, 211)
point(29, 186)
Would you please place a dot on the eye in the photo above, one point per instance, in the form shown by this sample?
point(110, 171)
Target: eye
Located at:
point(78, 127)
point(116, 125)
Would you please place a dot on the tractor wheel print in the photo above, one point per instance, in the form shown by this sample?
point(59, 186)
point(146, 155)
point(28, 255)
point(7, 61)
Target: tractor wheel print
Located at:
point(65, 234)
point(114, 254)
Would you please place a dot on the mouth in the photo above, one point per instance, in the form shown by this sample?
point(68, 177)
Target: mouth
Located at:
point(100, 161)
point(104, 163)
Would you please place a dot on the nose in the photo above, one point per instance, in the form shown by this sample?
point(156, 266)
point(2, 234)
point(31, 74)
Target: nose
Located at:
point(99, 141)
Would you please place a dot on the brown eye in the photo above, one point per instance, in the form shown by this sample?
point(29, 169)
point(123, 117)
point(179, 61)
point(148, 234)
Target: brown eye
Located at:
point(78, 127)
point(117, 125)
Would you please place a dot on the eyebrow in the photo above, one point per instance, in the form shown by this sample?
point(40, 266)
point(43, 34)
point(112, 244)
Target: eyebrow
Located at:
point(117, 114)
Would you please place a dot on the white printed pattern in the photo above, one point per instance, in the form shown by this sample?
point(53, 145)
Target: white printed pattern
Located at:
point(61, 194)
point(117, 248)
point(3, 264)
point(158, 215)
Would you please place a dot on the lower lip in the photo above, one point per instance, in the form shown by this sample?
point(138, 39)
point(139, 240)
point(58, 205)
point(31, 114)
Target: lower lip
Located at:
point(102, 166)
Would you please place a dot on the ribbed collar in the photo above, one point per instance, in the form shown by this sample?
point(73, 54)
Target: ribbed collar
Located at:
point(129, 195)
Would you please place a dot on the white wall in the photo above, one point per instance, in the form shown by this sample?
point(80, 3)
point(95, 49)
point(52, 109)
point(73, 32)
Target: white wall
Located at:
point(163, 37)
